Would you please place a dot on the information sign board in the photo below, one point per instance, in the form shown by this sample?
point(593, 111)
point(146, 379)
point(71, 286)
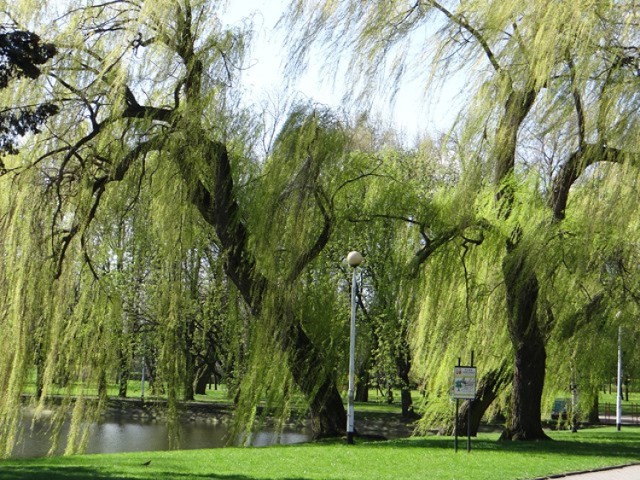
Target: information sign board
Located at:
point(464, 382)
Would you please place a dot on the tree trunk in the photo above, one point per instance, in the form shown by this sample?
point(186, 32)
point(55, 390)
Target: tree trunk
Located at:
point(403, 362)
point(362, 386)
point(328, 416)
point(189, 362)
point(220, 209)
point(102, 384)
point(189, 379)
point(521, 282)
point(594, 411)
point(203, 378)
point(123, 382)
point(40, 368)
point(530, 355)
point(123, 373)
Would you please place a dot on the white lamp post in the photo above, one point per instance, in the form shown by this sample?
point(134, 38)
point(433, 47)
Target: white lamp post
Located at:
point(619, 389)
point(354, 259)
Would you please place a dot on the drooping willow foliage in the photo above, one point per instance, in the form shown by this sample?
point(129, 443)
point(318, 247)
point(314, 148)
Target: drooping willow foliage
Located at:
point(142, 225)
point(551, 131)
point(160, 235)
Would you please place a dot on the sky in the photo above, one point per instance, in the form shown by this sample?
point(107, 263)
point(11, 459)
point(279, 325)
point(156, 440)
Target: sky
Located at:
point(411, 113)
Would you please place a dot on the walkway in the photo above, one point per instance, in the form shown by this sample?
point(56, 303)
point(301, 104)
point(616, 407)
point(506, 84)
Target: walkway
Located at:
point(631, 472)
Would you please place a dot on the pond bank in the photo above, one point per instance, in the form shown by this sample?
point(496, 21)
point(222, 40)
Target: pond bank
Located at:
point(129, 425)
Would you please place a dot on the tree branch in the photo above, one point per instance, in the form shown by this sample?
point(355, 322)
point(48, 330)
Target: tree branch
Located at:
point(575, 166)
point(459, 20)
point(425, 252)
point(135, 110)
point(577, 100)
point(322, 240)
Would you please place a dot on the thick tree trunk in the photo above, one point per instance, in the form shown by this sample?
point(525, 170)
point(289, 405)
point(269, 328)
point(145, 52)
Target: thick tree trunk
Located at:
point(529, 348)
point(328, 416)
point(520, 281)
point(528, 382)
point(406, 403)
point(220, 209)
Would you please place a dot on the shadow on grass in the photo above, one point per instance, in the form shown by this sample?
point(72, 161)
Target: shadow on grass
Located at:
point(587, 443)
point(54, 473)
point(85, 473)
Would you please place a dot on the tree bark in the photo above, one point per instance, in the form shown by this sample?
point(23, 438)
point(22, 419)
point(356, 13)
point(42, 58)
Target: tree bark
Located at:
point(594, 411)
point(328, 416)
point(189, 361)
point(521, 284)
point(203, 378)
point(529, 347)
point(403, 363)
point(39, 361)
point(123, 375)
point(362, 385)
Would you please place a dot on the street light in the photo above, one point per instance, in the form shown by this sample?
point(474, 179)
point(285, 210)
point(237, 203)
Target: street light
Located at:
point(619, 390)
point(354, 259)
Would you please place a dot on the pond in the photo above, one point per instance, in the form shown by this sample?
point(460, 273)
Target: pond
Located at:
point(130, 435)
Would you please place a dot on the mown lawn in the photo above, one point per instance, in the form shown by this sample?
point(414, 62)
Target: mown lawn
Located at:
point(415, 458)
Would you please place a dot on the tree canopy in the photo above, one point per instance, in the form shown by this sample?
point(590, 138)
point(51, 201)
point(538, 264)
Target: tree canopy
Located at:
point(140, 223)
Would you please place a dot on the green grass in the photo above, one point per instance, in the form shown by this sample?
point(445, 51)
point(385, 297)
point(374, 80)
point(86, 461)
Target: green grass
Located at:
point(415, 458)
point(378, 403)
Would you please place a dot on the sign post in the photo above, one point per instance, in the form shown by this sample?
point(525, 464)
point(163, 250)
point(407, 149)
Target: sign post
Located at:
point(464, 387)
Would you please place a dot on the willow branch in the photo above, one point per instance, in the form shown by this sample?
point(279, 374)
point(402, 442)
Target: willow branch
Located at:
point(575, 166)
point(577, 100)
point(135, 110)
point(460, 21)
point(321, 241)
point(430, 248)
point(98, 189)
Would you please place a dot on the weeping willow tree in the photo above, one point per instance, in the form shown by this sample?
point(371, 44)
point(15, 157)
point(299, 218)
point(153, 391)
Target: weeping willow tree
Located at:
point(541, 67)
point(149, 164)
point(424, 205)
point(602, 286)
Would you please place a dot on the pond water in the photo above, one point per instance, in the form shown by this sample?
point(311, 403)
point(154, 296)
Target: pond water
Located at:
point(125, 435)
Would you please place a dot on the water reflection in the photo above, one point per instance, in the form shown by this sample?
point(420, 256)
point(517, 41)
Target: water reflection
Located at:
point(124, 435)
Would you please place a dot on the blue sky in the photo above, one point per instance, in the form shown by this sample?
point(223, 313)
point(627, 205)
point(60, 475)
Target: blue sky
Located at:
point(411, 113)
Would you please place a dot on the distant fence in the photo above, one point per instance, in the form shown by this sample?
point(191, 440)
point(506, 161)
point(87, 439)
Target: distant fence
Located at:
point(630, 413)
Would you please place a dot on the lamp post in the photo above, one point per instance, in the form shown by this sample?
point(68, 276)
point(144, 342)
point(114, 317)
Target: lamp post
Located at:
point(619, 389)
point(354, 259)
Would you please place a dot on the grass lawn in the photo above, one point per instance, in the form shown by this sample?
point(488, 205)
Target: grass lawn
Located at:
point(415, 458)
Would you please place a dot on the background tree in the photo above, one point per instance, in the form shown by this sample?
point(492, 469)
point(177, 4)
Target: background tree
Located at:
point(21, 55)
